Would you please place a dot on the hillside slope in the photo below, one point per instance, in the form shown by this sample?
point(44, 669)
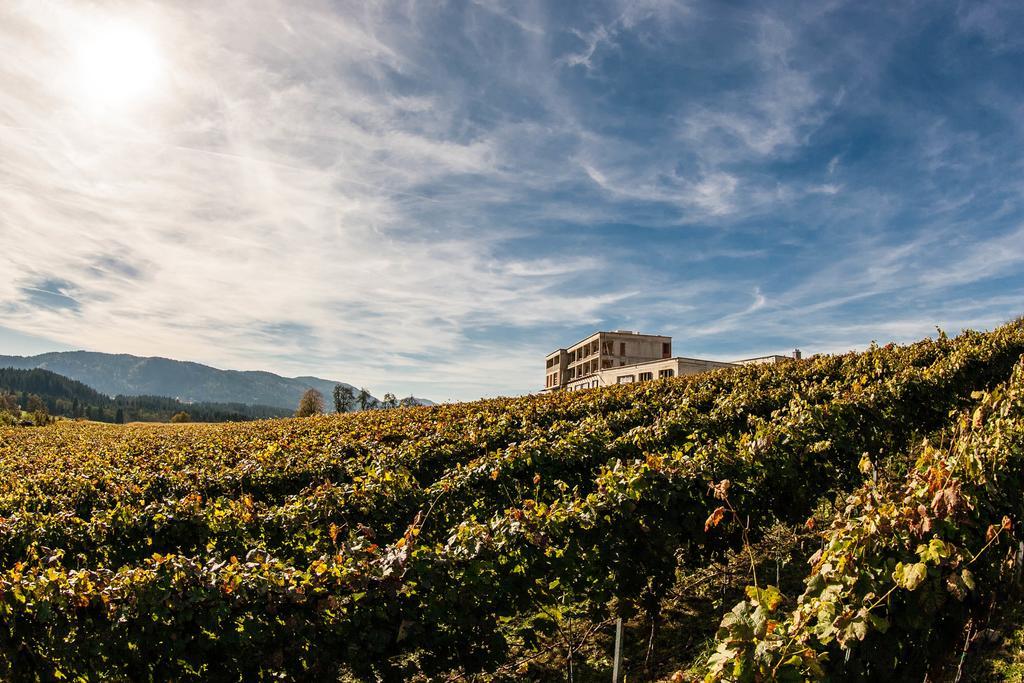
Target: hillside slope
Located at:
point(114, 374)
point(501, 539)
point(69, 398)
point(49, 386)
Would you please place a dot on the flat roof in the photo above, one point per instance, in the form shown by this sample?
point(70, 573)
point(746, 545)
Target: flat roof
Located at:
point(618, 332)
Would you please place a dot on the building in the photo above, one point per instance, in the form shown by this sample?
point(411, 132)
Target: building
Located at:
point(624, 357)
point(603, 351)
point(768, 359)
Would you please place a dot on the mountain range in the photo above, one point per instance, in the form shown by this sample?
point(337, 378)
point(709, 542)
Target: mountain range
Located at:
point(123, 374)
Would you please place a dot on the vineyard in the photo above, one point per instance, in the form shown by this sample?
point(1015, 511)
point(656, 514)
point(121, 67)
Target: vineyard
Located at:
point(850, 517)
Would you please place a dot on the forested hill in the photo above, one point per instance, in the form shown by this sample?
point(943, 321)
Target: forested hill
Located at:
point(70, 398)
point(114, 374)
point(49, 385)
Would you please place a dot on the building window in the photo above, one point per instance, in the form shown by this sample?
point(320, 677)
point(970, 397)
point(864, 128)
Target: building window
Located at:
point(625, 379)
point(662, 374)
point(622, 348)
point(646, 376)
point(593, 385)
point(666, 350)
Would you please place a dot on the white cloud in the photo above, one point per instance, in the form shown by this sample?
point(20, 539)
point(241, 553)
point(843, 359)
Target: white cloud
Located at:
point(627, 14)
point(275, 179)
point(773, 116)
point(378, 193)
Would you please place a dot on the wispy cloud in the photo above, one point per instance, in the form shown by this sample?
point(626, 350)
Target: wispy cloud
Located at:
point(626, 15)
point(428, 197)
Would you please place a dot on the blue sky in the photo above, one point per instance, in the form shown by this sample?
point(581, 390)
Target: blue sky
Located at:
point(428, 197)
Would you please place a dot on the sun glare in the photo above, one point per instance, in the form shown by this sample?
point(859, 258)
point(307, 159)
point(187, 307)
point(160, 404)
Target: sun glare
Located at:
point(117, 64)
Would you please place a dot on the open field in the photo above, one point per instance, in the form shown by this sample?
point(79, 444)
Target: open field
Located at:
point(500, 539)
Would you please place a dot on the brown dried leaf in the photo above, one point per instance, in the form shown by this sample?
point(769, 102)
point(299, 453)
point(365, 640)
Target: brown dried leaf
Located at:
point(714, 518)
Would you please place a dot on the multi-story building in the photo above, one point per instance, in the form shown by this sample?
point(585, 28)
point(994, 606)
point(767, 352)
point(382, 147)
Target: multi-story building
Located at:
point(603, 351)
point(623, 357)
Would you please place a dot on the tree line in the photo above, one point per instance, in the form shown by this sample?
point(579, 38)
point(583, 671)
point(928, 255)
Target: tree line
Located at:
point(35, 396)
point(347, 400)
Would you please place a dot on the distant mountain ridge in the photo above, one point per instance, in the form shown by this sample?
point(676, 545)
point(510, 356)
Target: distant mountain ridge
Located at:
point(124, 374)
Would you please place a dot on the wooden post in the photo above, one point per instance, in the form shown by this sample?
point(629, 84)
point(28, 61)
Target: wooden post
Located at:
point(618, 650)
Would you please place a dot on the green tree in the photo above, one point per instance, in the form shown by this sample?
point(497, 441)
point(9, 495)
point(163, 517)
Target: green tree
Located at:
point(181, 416)
point(344, 398)
point(36, 406)
point(408, 402)
point(311, 403)
point(390, 401)
point(365, 400)
point(10, 411)
point(9, 403)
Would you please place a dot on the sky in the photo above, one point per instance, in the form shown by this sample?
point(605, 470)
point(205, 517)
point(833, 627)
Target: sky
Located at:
point(428, 197)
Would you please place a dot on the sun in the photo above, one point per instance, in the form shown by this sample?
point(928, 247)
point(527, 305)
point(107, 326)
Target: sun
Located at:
point(116, 64)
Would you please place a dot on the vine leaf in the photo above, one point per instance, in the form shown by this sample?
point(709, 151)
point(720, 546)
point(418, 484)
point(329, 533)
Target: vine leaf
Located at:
point(714, 518)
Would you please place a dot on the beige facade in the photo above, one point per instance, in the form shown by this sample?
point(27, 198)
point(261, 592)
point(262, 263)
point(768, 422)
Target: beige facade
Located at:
point(622, 357)
point(644, 372)
point(603, 351)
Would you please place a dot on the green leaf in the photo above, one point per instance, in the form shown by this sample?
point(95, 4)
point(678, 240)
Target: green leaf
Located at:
point(910, 576)
point(768, 597)
point(968, 578)
point(881, 624)
point(859, 628)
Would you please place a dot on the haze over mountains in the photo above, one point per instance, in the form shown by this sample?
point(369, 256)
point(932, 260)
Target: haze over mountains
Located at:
point(114, 374)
